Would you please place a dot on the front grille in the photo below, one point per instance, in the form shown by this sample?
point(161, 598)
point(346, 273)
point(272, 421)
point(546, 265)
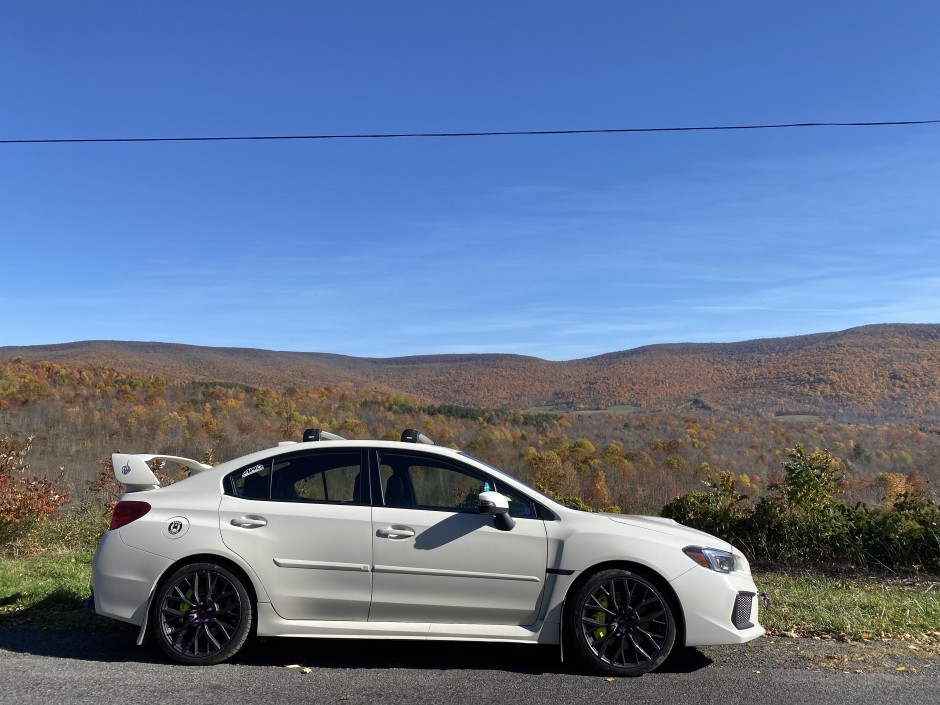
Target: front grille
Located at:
point(741, 617)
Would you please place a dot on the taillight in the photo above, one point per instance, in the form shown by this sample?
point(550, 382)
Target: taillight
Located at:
point(127, 511)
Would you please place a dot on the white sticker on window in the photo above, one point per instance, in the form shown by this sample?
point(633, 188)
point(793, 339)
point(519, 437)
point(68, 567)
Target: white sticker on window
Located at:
point(253, 470)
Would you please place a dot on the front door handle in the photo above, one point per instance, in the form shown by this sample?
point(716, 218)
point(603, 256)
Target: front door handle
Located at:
point(396, 532)
point(249, 522)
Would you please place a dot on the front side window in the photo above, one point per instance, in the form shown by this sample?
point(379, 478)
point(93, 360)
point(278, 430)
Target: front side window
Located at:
point(425, 482)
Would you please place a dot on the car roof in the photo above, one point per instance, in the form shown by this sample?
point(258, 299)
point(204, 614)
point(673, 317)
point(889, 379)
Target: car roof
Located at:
point(286, 447)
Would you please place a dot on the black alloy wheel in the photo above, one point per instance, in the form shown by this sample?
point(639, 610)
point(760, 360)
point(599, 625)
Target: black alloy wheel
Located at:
point(202, 614)
point(621, 623)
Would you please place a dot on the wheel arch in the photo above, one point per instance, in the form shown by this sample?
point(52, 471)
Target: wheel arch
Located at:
point(641, 569)
point(224, 561)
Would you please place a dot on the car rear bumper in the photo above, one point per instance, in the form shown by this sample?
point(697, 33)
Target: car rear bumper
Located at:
point(123, 578)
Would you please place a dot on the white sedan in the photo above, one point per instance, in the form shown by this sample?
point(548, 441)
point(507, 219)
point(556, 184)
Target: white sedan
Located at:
point(404, 540)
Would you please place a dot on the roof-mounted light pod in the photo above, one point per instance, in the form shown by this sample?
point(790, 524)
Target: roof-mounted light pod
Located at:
point(315, 434)
point(409, 435)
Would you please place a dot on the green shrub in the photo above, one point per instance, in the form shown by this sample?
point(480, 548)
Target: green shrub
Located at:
point(720, 510)
point(69, 529)
point(802, 522)
point(905, 535)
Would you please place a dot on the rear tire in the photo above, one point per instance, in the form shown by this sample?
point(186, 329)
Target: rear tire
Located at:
point(202, 615)
point(621, 623)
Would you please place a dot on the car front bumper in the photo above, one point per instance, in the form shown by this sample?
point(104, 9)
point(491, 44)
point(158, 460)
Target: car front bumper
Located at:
point(719, 608)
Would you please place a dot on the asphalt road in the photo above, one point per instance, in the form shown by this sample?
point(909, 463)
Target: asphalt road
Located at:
point(58, 665)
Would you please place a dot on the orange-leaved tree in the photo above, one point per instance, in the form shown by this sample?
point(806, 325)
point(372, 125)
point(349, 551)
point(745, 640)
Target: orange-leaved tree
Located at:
point(24, 499)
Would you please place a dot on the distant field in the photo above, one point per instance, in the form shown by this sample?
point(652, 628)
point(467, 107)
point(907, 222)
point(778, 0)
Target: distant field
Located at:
point(799, 418)
point(619, 410)
point(544, 410)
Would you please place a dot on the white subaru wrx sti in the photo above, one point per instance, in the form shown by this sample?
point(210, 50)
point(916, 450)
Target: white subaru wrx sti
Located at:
point(404, 540)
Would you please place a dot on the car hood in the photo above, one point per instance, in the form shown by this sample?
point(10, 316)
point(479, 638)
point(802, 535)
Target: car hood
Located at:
point(671, 527)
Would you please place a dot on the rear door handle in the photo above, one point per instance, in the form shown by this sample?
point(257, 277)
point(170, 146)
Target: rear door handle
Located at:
point(396, 532)
point(249, 522)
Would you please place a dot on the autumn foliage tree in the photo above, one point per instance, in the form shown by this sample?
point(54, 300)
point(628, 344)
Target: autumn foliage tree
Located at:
point(24, 498)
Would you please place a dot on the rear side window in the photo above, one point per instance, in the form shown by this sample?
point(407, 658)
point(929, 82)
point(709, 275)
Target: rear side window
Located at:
point(318, 477)
point(253, 482)
point(332, 477)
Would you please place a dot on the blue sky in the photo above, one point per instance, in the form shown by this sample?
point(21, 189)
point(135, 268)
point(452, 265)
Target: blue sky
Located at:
point(559, 247)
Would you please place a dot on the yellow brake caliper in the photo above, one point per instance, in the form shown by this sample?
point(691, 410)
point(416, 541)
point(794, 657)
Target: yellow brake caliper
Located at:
point(184, 606)
point(601, 632)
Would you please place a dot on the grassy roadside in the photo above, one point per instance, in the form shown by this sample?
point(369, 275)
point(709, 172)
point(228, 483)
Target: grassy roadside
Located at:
point(48, 589)
point(856, 607)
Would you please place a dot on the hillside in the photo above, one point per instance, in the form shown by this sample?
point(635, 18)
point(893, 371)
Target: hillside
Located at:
point(883, 372)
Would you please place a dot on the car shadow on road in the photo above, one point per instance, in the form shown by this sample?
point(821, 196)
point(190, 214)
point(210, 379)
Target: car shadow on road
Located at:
point(118, 644)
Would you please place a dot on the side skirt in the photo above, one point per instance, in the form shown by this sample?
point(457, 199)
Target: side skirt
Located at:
point(271, 624)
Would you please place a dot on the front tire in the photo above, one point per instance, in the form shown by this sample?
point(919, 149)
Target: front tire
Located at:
point(621, 623)
point(202, 614)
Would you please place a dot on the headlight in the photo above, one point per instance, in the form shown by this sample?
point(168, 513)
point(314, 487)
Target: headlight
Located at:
point(711, 558)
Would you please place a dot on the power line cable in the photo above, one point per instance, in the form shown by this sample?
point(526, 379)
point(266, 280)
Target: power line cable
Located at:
point(506, 133)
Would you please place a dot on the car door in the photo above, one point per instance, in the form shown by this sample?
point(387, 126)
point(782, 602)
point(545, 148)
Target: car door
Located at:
point(437, 559)
point(303, 523)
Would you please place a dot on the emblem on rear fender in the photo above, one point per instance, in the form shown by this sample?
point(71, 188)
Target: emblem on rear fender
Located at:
point(176, 527)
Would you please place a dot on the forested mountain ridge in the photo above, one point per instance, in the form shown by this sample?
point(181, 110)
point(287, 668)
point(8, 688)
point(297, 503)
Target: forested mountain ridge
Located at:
point(685, 412)
point(889, 371)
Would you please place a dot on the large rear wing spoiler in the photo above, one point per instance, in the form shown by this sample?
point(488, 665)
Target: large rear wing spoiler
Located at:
point(133, 472)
